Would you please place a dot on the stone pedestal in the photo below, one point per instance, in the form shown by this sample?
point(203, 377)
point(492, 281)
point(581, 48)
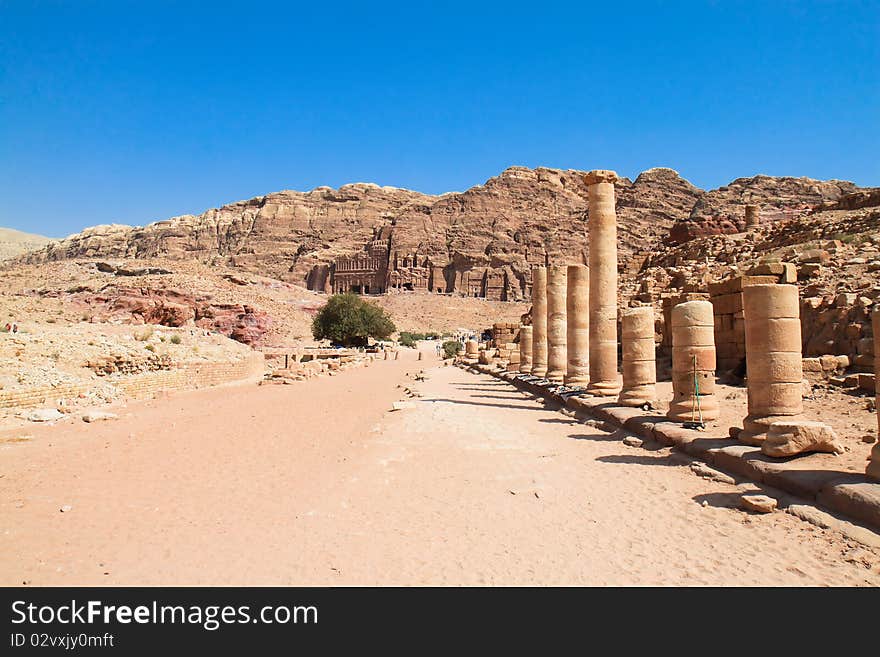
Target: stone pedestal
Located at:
point(753, 216)
point(603, 284)
point(774, 368)
point(639, 357)
point(539, 321)
point(471, 351)
point(577, 319)
point(873, 470)
point(525, 349)
point(693, 363)
point(557, 359)
point(513, 359)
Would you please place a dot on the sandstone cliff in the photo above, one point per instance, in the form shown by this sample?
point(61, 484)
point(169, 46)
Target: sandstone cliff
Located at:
point(722, 211)
point(484, 238)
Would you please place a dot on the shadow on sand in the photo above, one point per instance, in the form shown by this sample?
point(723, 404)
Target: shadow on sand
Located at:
point(518, 407)
point(639, 459)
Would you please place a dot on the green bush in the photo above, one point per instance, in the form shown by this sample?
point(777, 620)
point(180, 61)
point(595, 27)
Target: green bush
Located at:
point(348, 320)
point(451, 348)
point(408, 339)
point(175, 339)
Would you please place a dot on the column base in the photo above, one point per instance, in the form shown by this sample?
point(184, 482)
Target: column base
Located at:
point(575, 381)
point(604, 388)
point(639, 396)
point(873, 469)
point(525, 370)
point(540, 372)
point(755, 428)
point(682, 410)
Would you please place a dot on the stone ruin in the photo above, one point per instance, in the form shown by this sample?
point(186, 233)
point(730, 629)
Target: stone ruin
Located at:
point(749, 322)
point(380, 269)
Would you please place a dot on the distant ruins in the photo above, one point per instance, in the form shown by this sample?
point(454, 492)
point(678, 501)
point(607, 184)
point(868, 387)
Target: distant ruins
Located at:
point(380, 269)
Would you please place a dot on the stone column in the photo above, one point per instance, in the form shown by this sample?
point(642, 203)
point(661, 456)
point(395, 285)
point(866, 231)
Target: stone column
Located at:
point(539, 321)
point(557, 359)
point(577, 318)
point(471, 350)
point(639, 357)
point(753, 216)
point(873, 470)
point(525, 349)
point(693, 336)
point(603, 286)
point(774, 368)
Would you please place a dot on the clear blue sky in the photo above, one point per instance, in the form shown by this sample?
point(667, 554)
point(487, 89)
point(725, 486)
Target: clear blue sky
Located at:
point(129, 112)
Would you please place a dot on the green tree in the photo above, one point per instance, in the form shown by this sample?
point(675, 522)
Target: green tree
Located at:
point(348, 320)
point(451, 348)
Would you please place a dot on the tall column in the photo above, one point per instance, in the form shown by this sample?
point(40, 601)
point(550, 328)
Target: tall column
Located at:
point(577, 318)
point(774, 368)
point(557, 359)
point(639, 357)
point(539, 321)
point(525, 349)
point(603, 286)
point(873, 470)
point(693, 363)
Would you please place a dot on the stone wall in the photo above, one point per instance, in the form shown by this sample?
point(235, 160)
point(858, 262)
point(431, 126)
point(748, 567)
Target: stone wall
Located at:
point(730, 326)
point(504, 333)
point(186, 377)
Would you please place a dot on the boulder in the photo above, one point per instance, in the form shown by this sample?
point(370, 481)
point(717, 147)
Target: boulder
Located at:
point(45, 415)
point(758, 503)
point(790, 437)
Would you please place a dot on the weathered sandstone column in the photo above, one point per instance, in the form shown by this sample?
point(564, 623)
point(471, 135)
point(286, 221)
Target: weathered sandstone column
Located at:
point(873, 470)
point(639, 357)
point(471, 350)
point(557, 359)
point(539, 321)
point(693, 336)
point(525, 349)
point(753, 216)
point(774, 369)
point(603, 284)
point(577, 317)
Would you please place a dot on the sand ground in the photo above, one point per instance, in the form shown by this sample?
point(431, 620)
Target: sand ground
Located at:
point(320, 484)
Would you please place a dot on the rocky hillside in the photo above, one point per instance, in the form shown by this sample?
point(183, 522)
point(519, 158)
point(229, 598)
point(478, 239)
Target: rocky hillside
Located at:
point(520, 217)
point(720, 211)
point(15, 242)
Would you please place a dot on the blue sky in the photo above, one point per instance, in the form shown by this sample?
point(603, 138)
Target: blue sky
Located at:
point(132, 112)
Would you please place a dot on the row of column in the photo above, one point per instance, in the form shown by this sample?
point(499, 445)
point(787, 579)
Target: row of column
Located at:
point(773, 352)
point(573, 337)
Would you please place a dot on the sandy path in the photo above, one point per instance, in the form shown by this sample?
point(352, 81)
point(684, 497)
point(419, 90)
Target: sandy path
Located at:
point(318, 484)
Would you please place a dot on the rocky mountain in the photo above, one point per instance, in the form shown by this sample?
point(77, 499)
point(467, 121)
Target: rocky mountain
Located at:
point(489, 234)
point(720, 211)
point(15, 242)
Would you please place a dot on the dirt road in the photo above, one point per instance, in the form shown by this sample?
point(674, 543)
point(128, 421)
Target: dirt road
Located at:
point(318, 483)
